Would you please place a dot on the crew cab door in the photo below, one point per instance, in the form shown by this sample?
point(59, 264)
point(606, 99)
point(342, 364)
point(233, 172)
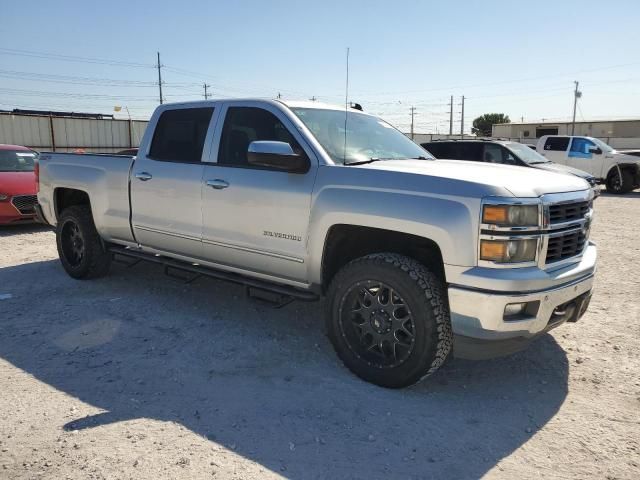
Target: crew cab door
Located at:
point(254, 218)
point(166, 181)
point(556, 149)
point(583, 154)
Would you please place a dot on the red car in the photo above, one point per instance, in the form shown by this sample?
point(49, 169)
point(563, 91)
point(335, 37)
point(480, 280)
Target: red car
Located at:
point(18, 194)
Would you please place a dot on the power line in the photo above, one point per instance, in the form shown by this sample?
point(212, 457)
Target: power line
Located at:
point(71, 58)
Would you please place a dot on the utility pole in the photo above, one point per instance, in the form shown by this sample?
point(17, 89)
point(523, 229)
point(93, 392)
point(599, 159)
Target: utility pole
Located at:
point(462, 119)
point(159, 77)
point(206, 93)
point(413, 112)
point(451, 116)
point(576, 95)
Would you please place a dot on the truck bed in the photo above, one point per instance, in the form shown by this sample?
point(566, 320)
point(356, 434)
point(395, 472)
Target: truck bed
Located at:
point(104, 178)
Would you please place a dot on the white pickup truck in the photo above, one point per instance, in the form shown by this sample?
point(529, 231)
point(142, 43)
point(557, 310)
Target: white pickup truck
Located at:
point(619, 171)
point(415, 257)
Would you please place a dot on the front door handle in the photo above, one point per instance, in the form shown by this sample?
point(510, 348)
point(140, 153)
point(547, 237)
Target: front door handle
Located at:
point(218, 184)
point(144, 176)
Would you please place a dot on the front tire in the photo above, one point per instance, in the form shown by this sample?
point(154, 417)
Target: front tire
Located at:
point(618, 185)
point(81, 250)
point(388, 319)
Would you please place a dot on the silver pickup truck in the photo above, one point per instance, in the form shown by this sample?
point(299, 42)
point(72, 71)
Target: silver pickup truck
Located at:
point(415, 257)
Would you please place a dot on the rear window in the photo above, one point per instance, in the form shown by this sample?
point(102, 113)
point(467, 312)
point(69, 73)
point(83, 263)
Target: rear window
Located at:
point(180, 134)
point(556, 143)
point(17, 160)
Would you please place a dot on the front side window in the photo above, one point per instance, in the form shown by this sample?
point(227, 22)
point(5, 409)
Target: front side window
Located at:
point(180, 135)
point(580, 147)
point(353, 137)
point(492, 153)
point(17, 160)
point(558, 144)
point(244, 125)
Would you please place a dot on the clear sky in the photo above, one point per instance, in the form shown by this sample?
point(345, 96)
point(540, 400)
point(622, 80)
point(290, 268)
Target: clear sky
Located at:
point(519, 58)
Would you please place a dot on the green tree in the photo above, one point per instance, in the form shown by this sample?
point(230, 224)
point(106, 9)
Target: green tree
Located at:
point(482, 124)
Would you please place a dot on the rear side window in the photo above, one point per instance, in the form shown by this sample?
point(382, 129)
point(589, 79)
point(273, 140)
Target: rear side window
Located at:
point(180, 134)
point(438, 150)
point(455, 150)
point(244, 125)
point(557, 143)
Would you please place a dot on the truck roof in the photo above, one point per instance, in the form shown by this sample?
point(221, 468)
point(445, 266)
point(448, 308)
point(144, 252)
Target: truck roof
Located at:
point(288, 103)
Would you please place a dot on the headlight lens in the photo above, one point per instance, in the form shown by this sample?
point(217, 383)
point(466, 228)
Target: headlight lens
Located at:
point(508, 251)
point(3, 197)
point(511, 215)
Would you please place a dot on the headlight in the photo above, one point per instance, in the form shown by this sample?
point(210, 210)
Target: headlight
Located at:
point(3, 197)
point(508, 251)
point(511, 215)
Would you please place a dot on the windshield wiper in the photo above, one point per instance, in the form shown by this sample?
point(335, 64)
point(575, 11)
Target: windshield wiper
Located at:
point(371, 160)
point(537, 163)
point(376, 159)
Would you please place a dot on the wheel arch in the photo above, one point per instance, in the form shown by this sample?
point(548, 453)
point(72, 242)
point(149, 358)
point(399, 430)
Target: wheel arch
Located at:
point(64, 197)
point(346, 242)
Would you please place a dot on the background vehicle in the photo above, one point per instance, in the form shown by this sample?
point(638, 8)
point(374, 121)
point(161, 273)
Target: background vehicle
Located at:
point(17, 184)
point(129, 151)
point(620, 172)
point(499, 151)
point(411, 253)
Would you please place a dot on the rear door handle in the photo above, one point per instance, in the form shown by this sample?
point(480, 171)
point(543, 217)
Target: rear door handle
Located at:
point(218, 184)
point(144, 176)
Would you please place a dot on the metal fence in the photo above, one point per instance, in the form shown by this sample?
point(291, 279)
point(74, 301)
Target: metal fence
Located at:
point(68, 134)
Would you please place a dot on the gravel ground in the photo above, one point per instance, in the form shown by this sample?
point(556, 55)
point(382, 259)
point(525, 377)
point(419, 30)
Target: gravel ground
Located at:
point(140, 376)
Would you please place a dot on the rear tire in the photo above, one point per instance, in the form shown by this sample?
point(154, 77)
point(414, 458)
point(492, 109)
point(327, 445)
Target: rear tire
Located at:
point(388, 319)
point(81, 250)
point(617, 185)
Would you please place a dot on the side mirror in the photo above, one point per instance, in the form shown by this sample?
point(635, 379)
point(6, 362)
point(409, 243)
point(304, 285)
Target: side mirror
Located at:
point(595, 150)
point(276, 155)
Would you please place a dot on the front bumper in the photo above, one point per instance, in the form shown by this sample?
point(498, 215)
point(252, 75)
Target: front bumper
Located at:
point(9, 214)
point(478, 319)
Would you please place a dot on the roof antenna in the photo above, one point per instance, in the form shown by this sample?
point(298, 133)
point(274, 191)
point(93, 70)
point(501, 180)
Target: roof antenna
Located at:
point(346, 108)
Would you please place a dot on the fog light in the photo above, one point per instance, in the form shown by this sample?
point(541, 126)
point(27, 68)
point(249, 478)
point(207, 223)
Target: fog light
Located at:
point(513, 309)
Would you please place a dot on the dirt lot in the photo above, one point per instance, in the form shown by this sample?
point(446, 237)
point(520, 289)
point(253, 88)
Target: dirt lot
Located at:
point(140, 376)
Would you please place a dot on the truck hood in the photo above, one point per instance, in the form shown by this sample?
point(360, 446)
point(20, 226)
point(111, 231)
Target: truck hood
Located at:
point(556, 167)
point(620, 157)
point(520, 182)
point(18, 183)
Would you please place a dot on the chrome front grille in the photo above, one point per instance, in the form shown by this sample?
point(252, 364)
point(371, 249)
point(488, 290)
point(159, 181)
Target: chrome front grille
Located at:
point(26, 204)
point(567, 212)
point(565, 245)
point(568, 225)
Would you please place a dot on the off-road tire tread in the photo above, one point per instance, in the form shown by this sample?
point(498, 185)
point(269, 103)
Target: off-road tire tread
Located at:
point(434, 291)
point(99, 259)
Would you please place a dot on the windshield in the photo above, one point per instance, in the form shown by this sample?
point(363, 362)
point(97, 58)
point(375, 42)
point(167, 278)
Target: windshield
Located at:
point(603, 146)
point(17, 160)
point(367, 138)
point(525, 153)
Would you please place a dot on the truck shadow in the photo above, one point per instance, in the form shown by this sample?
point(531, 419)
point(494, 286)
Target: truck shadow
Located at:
point(263, 382)
point(633, 194)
